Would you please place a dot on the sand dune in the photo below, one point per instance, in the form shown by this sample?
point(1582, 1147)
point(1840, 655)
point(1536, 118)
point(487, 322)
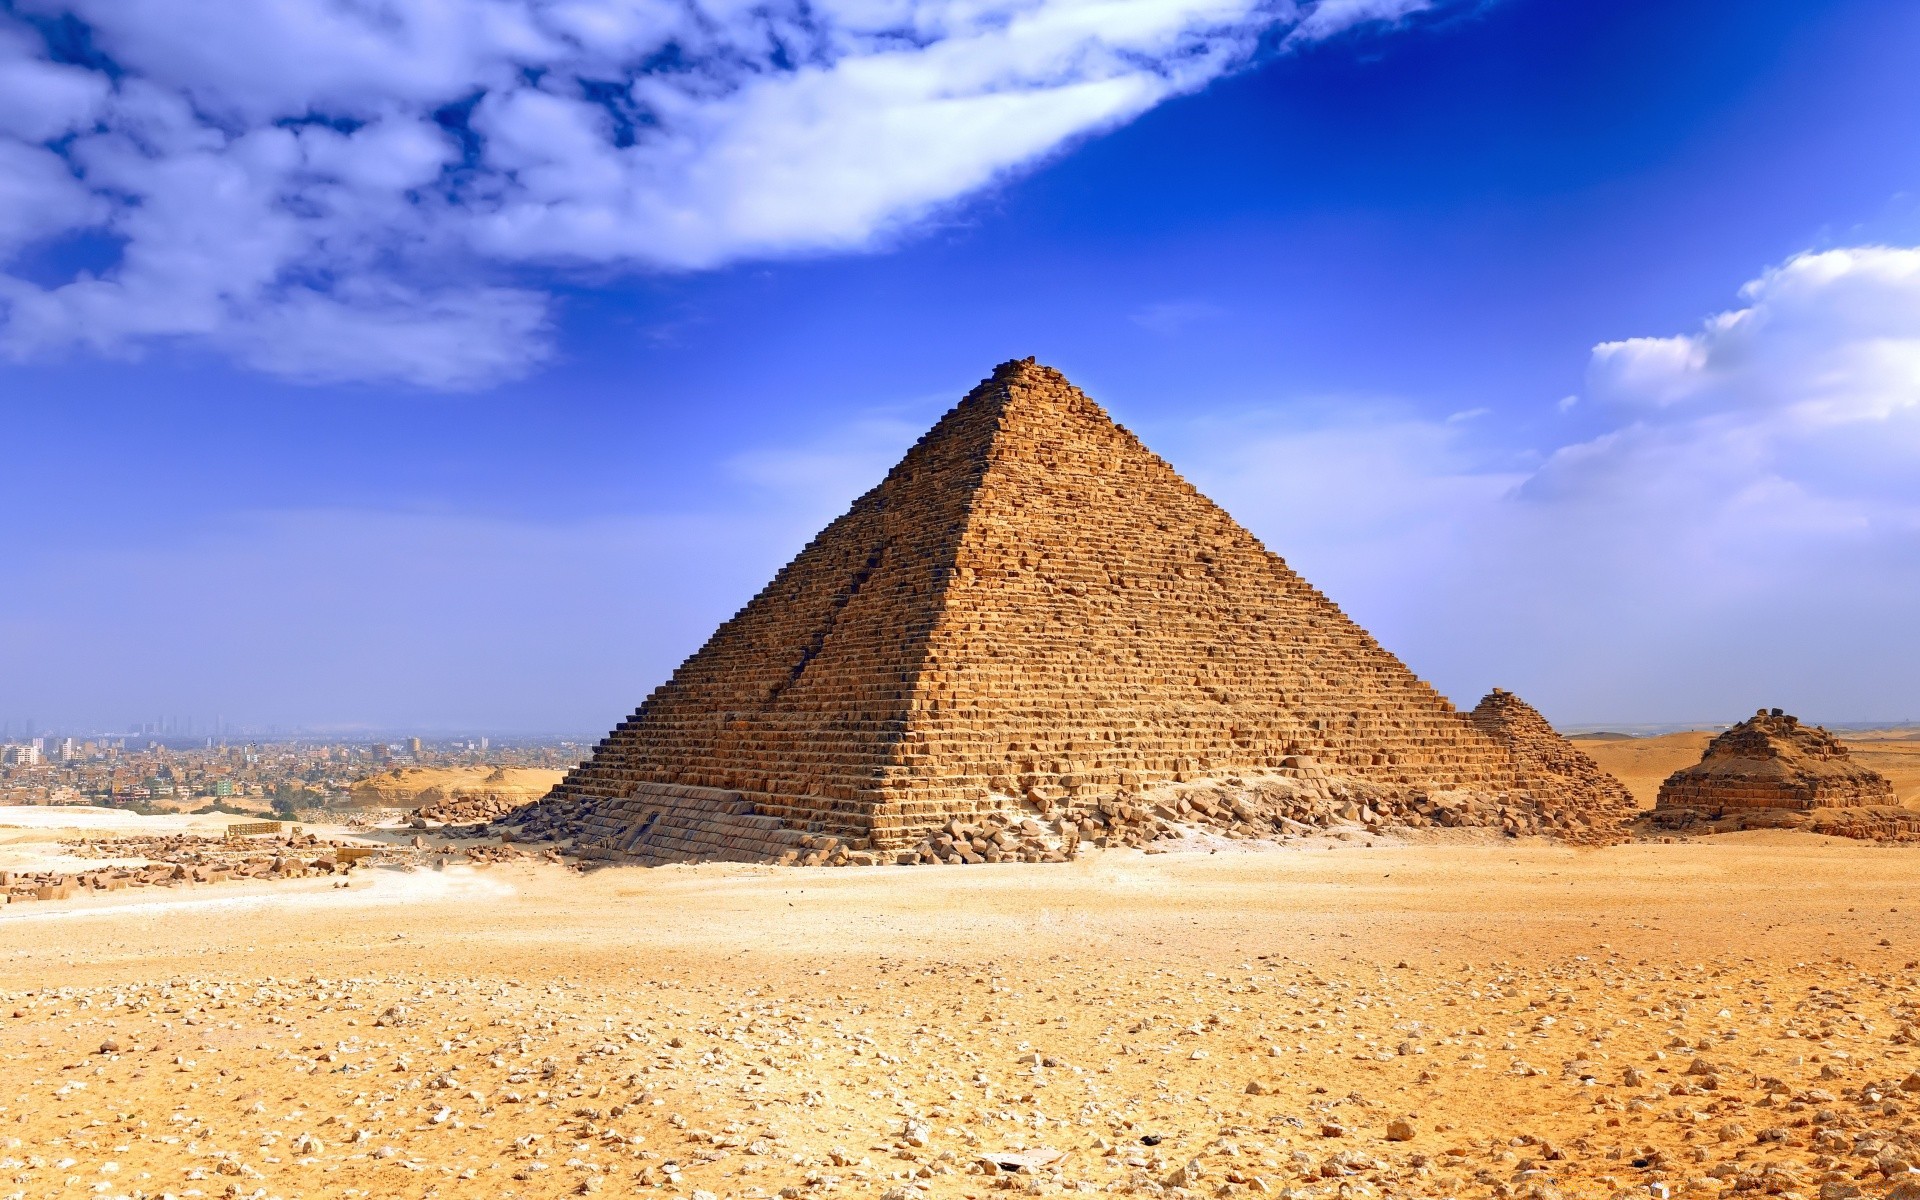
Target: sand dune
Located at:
point(1643, 763)
point(407, 787)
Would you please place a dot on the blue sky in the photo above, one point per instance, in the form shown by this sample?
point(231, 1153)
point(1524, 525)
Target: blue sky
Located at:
point(461, 369)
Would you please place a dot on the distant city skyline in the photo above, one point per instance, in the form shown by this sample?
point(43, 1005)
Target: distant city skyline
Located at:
point(446, 373)
point(22, 731)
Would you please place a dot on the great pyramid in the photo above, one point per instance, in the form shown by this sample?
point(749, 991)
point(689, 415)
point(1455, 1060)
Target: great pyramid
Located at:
point(1031, 613)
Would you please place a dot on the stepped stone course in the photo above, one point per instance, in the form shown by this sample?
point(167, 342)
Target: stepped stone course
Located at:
point(1554, 765)
point(1032, 615)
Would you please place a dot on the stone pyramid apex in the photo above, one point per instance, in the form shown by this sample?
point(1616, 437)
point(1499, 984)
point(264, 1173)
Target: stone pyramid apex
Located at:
point(1032, 381)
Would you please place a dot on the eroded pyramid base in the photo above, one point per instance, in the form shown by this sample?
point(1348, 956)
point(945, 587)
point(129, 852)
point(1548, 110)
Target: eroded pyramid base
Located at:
point(669, 823)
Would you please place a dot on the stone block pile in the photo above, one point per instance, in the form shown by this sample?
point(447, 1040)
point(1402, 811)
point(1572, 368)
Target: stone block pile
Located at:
point(468, 810)
point(174, 861)
point(998, 837)
point(665, 823)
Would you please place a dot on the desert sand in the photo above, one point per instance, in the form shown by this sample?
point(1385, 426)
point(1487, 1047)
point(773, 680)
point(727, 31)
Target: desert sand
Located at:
point(1462, 1016)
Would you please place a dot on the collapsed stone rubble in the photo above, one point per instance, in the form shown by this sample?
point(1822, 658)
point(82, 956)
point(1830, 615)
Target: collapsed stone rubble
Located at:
point(171, 861)
point(1034, 617)
point(467, 810)
point(185, 859)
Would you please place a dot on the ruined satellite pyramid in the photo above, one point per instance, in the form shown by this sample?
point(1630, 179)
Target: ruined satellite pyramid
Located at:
point(1545, 759)
point(1772, 761)
point(1031, 610)
point(1772, 772)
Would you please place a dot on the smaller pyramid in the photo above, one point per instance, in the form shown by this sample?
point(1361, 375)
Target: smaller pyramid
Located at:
point(1559, 775)
point(1772, 763)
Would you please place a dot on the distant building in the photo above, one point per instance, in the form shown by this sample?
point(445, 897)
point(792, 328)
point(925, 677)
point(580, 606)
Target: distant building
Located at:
point(413, 747)
point(26, 755)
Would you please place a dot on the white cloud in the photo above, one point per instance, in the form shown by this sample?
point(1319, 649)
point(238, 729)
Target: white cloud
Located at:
point(1826, 338)
point(1744, 530)
point(296, 168)
point(41, 100)
point(39, 197)
point(1331, 17)
point(1802, 408)
point(449, 339)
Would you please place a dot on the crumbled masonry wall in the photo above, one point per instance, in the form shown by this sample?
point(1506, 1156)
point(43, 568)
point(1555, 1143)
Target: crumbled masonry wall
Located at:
point(1034, 610)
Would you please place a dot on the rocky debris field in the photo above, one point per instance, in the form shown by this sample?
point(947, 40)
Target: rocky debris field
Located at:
point(1296, 802)
point(180, 860)
point(183, 860)
point(1269, 809)
point(1726, 1020)
point(468, 810)
point(1870, 823)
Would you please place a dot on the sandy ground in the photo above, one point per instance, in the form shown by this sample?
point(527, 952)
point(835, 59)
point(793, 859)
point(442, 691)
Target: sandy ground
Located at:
point(1711, 1018)
point(409, 786)
point(1895, 755)
point(1642, 763)
point(37, 822)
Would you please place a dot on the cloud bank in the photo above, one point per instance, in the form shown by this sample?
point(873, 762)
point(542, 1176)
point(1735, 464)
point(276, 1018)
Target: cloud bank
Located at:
point(1744, 529)
point(364, 189)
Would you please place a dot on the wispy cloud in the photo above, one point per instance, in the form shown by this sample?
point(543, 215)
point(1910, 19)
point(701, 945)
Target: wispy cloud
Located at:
point(833, 468)
point(1171, 317)
point(333, 191)
point(1337, 16)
